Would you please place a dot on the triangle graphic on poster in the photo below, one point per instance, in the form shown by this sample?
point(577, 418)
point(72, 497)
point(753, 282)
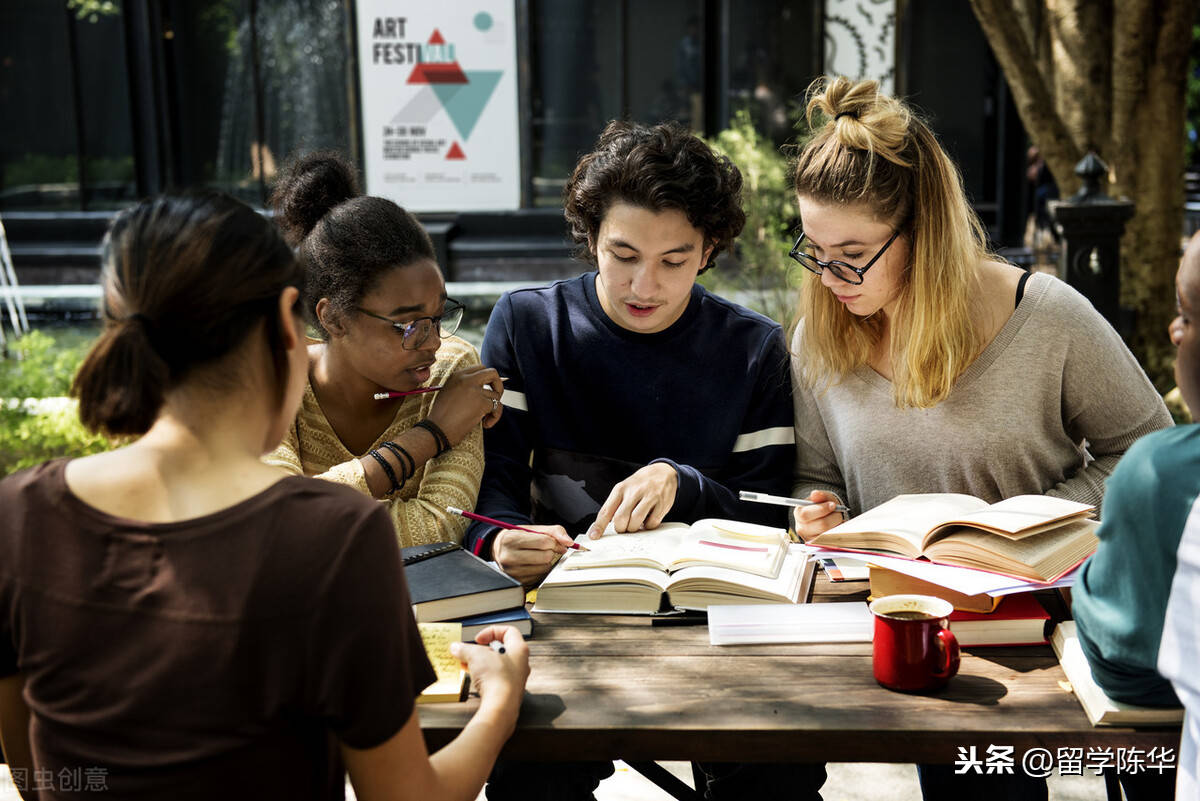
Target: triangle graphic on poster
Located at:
point(437, 37)
point(438, 73)
point(455, 152)
point(465, 102)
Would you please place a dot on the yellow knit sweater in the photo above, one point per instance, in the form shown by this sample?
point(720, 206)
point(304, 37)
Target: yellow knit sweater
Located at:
point(312, 448)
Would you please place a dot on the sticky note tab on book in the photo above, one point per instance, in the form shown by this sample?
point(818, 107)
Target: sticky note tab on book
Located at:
point(452, 679)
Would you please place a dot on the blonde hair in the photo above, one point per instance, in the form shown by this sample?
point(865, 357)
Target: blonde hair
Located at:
point(871, 149)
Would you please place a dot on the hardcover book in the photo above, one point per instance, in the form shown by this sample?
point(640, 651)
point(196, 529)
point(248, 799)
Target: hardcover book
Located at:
point(891, 582)
point(517, 617)
point(1018, 620)
point(1102, 710)
point(445, 582)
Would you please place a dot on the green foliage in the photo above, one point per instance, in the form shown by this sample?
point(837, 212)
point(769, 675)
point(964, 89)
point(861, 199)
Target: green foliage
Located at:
point(92, 10)
point(39, 168)
point(40, 367)
point(761, 275)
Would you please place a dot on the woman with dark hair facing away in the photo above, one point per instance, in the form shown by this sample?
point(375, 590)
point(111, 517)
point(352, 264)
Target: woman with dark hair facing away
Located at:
point(922, 364)
point(376, 297)
point(179, 619)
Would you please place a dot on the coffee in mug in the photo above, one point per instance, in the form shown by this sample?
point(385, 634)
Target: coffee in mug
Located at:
point(913, 649)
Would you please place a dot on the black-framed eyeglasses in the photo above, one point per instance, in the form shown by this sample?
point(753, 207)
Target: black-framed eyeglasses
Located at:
point(842, 271)
point(416, 332)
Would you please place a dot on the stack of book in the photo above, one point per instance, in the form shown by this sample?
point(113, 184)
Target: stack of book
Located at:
point(711, 562)
point(447, 583)
point(985, 559)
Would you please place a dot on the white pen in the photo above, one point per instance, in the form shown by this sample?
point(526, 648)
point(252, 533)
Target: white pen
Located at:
point(762, 497)
point(497, 646)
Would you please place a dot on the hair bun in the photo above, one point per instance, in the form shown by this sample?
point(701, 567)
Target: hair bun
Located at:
point(308, 188)
point(880, 123)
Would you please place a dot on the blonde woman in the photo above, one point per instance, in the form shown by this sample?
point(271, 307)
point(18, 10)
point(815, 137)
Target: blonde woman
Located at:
point(921, 363)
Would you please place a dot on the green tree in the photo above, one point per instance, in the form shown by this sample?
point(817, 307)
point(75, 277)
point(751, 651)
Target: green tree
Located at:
point(1110, 77)
point(759, 274)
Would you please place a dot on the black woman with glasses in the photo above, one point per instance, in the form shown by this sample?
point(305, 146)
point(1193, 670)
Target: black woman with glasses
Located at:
point(394, 402)
point(920, 362)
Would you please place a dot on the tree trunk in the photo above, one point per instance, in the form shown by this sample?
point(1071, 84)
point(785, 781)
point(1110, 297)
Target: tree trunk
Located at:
point(1116, 85)
point(1149, 171)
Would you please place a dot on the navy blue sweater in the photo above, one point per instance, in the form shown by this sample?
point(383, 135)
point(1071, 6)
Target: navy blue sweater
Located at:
point(588, 402)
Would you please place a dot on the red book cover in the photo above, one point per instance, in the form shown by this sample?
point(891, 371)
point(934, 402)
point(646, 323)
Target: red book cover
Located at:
point(1018, 620)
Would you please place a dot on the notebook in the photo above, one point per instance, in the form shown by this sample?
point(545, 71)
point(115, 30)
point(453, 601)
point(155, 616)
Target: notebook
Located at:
point(446, 582)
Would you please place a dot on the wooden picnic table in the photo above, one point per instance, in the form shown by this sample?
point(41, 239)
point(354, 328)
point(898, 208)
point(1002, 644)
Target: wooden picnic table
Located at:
point(615, 687)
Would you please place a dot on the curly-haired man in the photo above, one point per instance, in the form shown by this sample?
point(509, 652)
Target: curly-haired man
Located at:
point(634, 395)
point(640, 396)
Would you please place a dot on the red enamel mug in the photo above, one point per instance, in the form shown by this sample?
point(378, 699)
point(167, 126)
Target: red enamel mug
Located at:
point(913, 648)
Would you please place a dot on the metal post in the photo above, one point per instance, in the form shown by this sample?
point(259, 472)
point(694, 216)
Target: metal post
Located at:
point(1091, 224)
point(8, 285)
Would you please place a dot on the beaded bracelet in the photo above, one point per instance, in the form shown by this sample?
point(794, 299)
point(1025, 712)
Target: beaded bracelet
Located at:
point(440, 439)
point(401, 456)
point(387, 468)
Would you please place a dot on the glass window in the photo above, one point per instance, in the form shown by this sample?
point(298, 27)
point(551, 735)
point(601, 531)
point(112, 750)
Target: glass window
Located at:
point(773, 55)
point(304, 101)
point(654, 60)
point(108, 175)
point(594, 62)
point(66, 118)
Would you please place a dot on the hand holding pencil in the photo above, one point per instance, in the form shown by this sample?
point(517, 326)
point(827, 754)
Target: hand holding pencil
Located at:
point(821, 513)
point(526, 552)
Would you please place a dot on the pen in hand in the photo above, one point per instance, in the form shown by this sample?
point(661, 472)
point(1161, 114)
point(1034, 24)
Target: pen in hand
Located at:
point(497, 646)
point(779, 500)
point(454, 510)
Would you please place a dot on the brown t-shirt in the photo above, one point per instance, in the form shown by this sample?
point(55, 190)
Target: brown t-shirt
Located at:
point(208, 658)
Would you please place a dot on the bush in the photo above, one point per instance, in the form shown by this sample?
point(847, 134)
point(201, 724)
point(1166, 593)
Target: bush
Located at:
point(39, 367)
point(760, 274)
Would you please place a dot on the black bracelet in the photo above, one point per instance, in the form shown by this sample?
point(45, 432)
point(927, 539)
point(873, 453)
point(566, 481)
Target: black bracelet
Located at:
point(401, 455)
point(441, 441)
point(387, 468)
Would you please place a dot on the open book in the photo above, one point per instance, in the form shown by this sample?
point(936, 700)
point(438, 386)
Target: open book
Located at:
point(1102, 710)
point(748, 547)
point(648, 590)
point(1031, 536)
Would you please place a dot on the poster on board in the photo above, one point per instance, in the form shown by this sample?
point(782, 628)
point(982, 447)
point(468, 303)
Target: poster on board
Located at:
point(439, 103)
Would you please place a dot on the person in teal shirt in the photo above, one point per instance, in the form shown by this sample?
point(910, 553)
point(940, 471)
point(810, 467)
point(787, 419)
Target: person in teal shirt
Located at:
point(1120, 600)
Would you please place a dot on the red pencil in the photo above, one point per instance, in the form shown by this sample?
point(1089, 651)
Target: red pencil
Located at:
point(419, 391)
point(575, 546)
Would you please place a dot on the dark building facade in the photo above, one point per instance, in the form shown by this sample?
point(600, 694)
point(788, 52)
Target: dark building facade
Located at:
point(104, 102)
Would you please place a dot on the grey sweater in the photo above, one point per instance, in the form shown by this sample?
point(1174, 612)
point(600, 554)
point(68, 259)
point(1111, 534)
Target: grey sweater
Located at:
point(1015, 423)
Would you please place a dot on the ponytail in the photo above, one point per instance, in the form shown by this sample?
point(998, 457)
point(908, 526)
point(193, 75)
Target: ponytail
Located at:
point(187, 278)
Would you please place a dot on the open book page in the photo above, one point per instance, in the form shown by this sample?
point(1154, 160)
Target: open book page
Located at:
point(451, 681)
point(966, 581)
point(747, 547)
point(723, 543)
point(703, 586)
point(1019, 516)
point(1040, 557)
point(900, 524)
point(655, 548)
